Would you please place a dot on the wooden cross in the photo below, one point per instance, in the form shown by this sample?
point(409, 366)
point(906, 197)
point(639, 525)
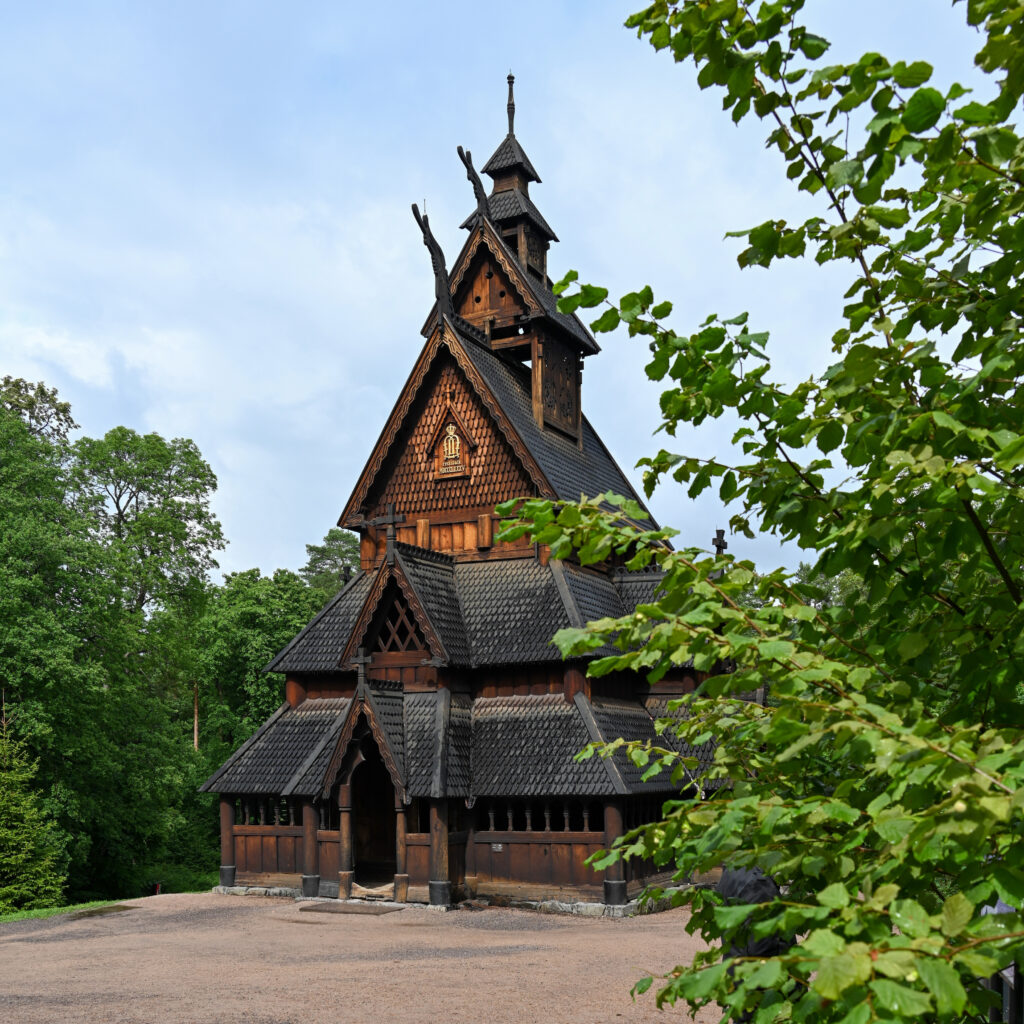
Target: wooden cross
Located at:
point(719, 542)
point(389, 519)
point(361, 660)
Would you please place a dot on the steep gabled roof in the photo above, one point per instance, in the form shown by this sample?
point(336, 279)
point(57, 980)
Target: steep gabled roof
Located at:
point(431, 575)
point(439, 343)
point(569, 470)
point(541, 300)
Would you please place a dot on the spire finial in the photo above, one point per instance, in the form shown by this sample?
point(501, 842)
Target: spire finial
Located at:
point(511, 102)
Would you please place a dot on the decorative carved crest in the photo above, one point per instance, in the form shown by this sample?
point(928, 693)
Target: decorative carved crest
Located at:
point(483, 206)
point(442, 290)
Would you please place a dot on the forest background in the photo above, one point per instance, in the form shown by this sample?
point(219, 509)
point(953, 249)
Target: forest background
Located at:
point(128, 676)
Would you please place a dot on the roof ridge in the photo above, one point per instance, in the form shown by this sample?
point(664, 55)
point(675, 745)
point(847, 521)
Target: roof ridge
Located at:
point(594, 731)
point(428, 626)
point(557, 568)
point(269, 667)
point(424, 554)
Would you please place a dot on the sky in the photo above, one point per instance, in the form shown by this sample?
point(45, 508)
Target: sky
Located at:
point(205, 228)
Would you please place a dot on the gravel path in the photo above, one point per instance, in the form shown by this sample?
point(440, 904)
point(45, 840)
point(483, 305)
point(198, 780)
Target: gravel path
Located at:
point(210, 959)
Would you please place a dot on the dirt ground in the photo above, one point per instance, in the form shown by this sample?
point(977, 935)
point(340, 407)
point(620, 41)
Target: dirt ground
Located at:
point(211, 959)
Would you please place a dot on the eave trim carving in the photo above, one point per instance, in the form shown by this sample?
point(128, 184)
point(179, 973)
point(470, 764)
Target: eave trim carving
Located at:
point(362, 704)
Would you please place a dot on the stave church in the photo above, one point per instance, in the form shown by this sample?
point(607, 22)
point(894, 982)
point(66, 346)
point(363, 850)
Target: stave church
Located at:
point(424, 749)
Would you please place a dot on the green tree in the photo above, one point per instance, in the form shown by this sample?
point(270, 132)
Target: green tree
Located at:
point(99, 542)
point(246, 622)
point(38, 406)
point(330, 565)
point(32, 858)
point(152, 502)
point(883, 786)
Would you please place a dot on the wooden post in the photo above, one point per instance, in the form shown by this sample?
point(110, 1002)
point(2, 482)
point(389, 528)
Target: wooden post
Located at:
point(472, 879)
point(440, 885)
point(310, 850)
point(294, 692)
point(227, 840)
point(484, 532)
point(575, 681)
point(423, 533)
point(401, 854)
point(614, 874)
point(345, 869)
point(195, 714)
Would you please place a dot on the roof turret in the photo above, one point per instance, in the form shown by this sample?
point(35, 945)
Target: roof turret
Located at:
point(510, 157)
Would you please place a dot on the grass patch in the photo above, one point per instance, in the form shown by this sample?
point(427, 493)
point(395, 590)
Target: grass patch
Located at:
point(27, 915)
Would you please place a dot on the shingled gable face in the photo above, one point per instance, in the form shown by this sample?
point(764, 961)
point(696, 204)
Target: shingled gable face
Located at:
point(428, 711)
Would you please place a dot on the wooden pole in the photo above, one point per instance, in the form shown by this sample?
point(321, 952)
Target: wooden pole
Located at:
point(614, 874)
point(440, 885)
point(401, 853)
point(310, 850)
point(227, 840)
point(195, 714)
point(472, 879)
point(345, 871)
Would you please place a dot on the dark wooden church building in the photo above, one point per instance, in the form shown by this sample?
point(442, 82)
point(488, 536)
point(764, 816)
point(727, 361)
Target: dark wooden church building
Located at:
point(425, 748)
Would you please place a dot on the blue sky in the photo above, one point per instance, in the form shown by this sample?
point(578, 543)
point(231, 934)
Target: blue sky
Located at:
point(205, 226)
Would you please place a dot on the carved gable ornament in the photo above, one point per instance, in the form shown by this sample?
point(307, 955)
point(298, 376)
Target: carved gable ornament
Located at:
point(451, 446)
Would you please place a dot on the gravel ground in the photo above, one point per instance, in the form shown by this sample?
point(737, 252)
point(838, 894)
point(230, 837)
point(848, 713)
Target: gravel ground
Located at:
point(211, 959)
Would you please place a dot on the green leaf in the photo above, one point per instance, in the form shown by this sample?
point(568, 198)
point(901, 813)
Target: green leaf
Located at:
point(1011, 455)
point(835, 896)
point(910, 917)
point(838, 973)
point(822, 942)
point(830, 436)
point(560, 286)
point(607, 321)
point(923, 110)
point(911, 645)
point(911, 75)
point(906, 1002)
point(957, 913)
point(813, 46)
point(944, 984)
point(845, 172)
point(976, 113)
point(591, 295)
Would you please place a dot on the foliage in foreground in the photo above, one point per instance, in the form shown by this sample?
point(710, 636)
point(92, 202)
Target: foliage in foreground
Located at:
point(884, 786)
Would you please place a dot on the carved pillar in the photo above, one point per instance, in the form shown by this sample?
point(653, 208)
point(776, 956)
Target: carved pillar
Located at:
point(440, 884)
point(345, 868)
point(614, 874)
point(227, 840)
point(310, 850)
point(401, 855)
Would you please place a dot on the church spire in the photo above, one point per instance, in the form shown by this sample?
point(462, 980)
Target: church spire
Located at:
point(511, 104)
